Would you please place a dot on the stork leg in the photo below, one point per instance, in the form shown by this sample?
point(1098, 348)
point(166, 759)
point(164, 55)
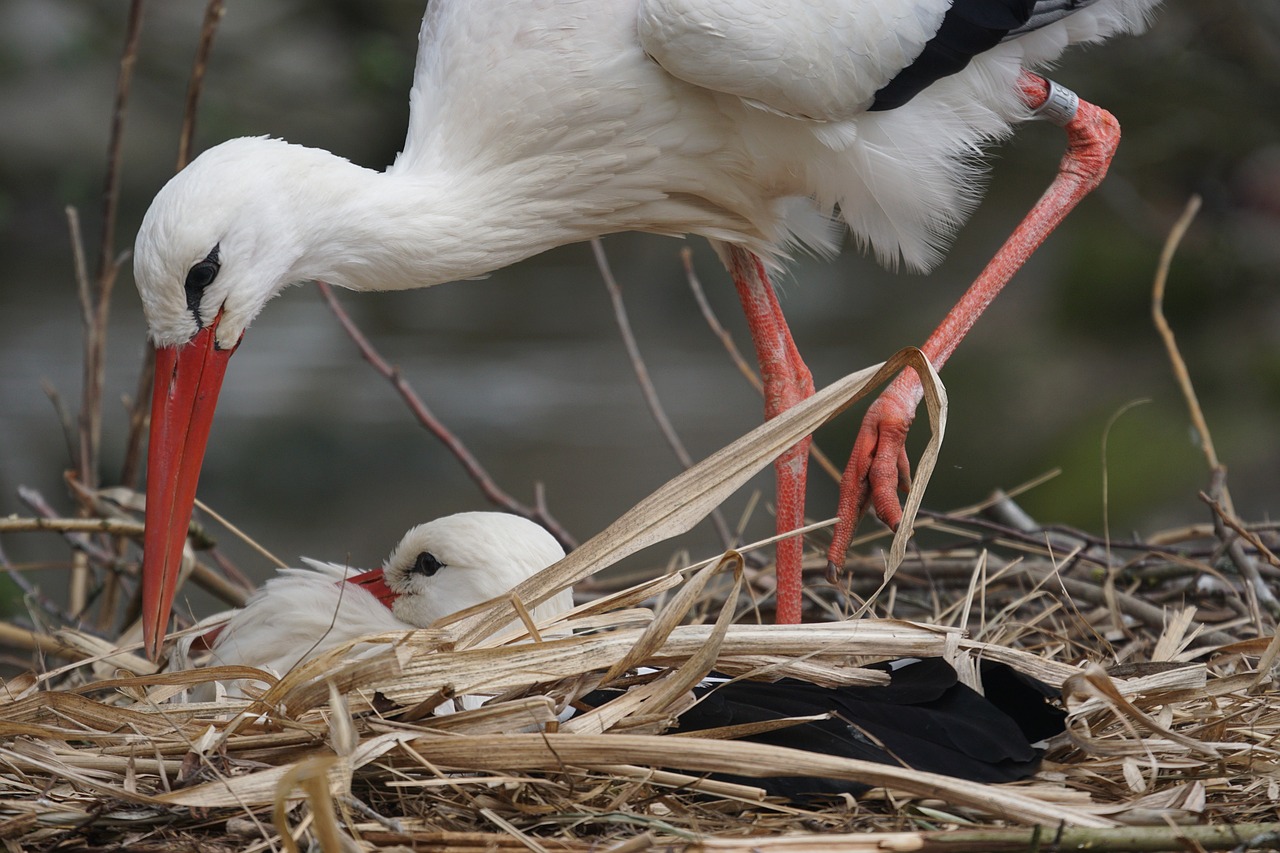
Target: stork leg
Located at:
point(878, 466)
point(787, 381)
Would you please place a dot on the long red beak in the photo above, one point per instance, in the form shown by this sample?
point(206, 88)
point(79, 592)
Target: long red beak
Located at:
point(187, 382)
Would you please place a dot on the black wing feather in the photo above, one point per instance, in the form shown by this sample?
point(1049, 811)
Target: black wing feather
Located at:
point(970, 27)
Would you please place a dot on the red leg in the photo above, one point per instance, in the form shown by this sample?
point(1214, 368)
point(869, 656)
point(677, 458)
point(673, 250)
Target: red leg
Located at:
point(787, 381)
point(878, 466)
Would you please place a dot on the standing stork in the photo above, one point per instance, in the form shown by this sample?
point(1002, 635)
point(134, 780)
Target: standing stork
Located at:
point(546, 122)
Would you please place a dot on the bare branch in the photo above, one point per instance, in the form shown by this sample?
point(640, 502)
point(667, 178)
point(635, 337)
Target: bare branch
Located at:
point(64, 418)
point(1227, 526)
point(139, 414)
point(108, 262)
point(1180, 371)
point(726, 340)
point(115, 149)
point(708, 314)
point(212, 17)
point(646, 382)
point(490, 489)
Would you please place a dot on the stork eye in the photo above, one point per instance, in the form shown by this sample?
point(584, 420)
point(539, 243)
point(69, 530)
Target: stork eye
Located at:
point(426, 564)
point(199, 277)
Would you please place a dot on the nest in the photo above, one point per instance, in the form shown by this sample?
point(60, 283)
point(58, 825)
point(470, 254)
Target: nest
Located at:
point(345, 753)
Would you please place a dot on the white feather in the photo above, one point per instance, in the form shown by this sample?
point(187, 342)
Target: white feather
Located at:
point(546, 122)
point(302, 613)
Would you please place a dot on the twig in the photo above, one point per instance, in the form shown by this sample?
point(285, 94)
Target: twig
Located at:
point(1179, 366)
point(132, 529)
point(240, 534)
point(1219, 498)
point(709, 314)
point(1234, 523)
point(115, 150)
point(1261, 592)
point(64, 418)
point(108, 262)
point(89, 432)
point(646, 382)
point(212, 17)
point(139, 412)
point(24, 638)
point(83, 294)
point(34, 595)
point(75, 531)
point(490, 489)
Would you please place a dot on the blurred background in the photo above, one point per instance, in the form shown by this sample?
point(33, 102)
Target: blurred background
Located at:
point(314, 454)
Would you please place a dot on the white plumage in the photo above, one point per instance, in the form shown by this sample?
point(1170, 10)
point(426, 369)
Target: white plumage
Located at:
point(568, 119)
point(302, 613)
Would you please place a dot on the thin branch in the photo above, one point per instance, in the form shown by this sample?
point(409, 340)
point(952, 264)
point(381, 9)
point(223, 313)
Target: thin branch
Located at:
point(646, 381)
point(240, 534)
point(139, 414)
point(1235, 524)
point(1260, 592)
point(84, 453)
point(75, 529)
point(490, 489)
point(83, 293)
point(33, 594)
point(108, 262)
point(1179, 366)
point(708, 314)
point(115, 148)
point(726, 340)
point(208, 29)
point(55, 524)
point(64, 418)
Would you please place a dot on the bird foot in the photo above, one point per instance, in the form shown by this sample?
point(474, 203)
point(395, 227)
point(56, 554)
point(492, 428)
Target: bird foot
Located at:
point(878, 467)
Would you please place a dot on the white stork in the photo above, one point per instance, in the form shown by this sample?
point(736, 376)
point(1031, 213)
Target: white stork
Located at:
point(754, 123)
point(924, 718)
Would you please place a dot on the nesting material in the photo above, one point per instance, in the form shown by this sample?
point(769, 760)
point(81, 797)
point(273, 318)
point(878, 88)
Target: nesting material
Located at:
point(1173, 720)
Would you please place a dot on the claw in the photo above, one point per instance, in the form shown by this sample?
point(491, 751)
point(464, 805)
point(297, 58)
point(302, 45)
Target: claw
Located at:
point(878, 468)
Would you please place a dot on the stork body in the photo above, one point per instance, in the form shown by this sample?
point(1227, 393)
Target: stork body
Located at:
point(543, 123)
point(923, 718)
point(437, 569)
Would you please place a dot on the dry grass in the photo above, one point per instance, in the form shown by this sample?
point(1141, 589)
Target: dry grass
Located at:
point(1173, 722)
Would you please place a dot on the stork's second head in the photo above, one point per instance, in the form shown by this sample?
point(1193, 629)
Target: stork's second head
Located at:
point(462, 560)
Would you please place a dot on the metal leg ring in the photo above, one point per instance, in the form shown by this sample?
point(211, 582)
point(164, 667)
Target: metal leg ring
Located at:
point(1059, 107)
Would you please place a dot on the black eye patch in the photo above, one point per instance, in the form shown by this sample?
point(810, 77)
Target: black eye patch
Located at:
point(426, 565)
point(199, 277)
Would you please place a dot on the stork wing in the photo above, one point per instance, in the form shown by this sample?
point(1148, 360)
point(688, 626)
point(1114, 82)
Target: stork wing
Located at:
point(817, 59)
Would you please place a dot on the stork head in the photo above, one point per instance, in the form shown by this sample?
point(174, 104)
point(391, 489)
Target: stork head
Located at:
point(219, 240)
point(223, 237)
point(462, 560)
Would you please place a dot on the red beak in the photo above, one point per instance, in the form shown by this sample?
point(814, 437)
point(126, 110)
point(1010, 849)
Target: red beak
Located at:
point(376, 585)
point(188, 378)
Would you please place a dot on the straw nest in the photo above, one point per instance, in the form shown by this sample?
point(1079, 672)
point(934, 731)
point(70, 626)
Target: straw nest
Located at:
point(1173, 745)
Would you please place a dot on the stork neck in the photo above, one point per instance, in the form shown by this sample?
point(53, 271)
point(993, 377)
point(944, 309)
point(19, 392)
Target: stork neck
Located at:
point(394, 231)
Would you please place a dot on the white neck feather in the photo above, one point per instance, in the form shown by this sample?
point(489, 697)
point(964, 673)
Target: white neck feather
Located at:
point(368, 230)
